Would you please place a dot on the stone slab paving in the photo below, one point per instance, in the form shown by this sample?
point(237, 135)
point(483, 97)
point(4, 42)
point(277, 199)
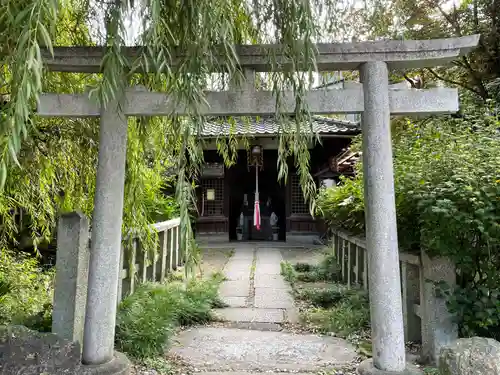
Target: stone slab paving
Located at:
point(235, 301)
point(230, 349)
point(270, 281)
point(250, 314)
point(266, 298)
point(252, 336)
point(235, 288)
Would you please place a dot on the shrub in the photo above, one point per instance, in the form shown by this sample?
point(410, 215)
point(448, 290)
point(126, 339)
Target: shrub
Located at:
point(147, 319)
point(26, 289)
point(447, 185)
point(321, 297)
point(41, 321)
point(288, 272)
point(302, 267)
point(349, 315)
point(327, 270)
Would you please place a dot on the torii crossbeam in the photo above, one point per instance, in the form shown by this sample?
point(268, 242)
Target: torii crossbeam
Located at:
point(374, 100)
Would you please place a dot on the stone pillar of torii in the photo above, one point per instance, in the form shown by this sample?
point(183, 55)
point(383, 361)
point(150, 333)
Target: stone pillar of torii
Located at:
point(373, 98)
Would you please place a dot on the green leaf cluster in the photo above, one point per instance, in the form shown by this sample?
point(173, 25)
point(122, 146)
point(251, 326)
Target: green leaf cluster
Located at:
point(447, 185)
point(26, 288)
point(147, 320)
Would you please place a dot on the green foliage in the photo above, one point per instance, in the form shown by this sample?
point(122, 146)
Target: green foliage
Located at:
point(343, 205)
point(348, 312)
point(476, 309)
point(41, 321)
point(146, 320)
point(288, 272)
point(27, 289)
point(324, 298)
point(327, 270)
point(302, 267)
point(447, 185)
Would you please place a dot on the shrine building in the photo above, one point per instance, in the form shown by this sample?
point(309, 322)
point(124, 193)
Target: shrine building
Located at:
point(225, 196)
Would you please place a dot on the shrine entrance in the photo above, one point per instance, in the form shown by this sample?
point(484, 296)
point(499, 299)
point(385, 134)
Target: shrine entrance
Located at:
point(241, 185)
point(372, 97)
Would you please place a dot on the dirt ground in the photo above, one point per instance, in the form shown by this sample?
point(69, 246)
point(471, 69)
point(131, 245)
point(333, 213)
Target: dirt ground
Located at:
point(214, 260)
point(305, 255)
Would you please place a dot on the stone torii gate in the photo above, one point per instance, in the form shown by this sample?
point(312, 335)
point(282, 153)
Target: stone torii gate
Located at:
point(373, 99)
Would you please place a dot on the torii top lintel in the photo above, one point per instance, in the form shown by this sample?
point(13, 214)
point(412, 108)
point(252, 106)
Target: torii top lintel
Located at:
point(399, 54)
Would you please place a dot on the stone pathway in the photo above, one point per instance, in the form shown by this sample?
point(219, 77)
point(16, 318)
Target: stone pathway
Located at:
point(253, 339)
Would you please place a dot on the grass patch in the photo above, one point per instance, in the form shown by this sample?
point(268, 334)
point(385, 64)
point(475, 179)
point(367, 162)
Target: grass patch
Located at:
point(147, 320)
point(254, 266)
point(341, 311)
point(327, 270)
point(303, 267)
point(288, 273)
point(325, 297)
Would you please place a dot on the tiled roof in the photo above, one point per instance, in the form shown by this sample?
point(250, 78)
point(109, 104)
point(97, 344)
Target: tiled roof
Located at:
point(268, 126)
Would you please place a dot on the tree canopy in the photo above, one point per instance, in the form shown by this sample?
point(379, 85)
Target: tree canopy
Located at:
point(48, 165)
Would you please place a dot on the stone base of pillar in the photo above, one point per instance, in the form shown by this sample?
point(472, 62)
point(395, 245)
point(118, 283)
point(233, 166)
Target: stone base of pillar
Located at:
point(119, 365)
point(367, 368)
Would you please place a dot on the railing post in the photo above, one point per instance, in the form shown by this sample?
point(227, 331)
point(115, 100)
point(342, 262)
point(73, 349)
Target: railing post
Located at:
point(143, 262)
point(119, 294)
point(410, 290)
point(357, 266)
point(343, 260)
point(177, 243)
point(365, 269)
point(72, 266)
point(173, 259)
point(351, 252)
point(163, 254)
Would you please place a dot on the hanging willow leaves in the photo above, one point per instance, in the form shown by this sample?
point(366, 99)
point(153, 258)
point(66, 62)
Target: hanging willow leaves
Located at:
point(184, 43)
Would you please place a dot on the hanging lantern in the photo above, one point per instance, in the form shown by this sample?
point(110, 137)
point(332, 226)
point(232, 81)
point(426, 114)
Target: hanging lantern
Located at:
point(255, 157)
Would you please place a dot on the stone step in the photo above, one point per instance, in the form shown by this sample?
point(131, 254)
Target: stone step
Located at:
point(255, 373)
point(238, 351)
point(250, 315)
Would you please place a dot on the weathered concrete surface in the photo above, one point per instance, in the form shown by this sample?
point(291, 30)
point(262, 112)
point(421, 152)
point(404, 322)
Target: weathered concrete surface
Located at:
point(270, 281)
point(380, 213)
point(72, 270)
point(104, 266)
point(399, 54)
point(214, 260)
point(251, 315)
point(258, 103)
point(266, 298)
point(237, 288)
point(234, 301)
point(253, 337)
point(225, 349)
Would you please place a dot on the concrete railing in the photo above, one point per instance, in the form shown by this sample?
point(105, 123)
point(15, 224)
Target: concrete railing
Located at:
point(139, 266)
point(426, 318)
point(72, 269)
